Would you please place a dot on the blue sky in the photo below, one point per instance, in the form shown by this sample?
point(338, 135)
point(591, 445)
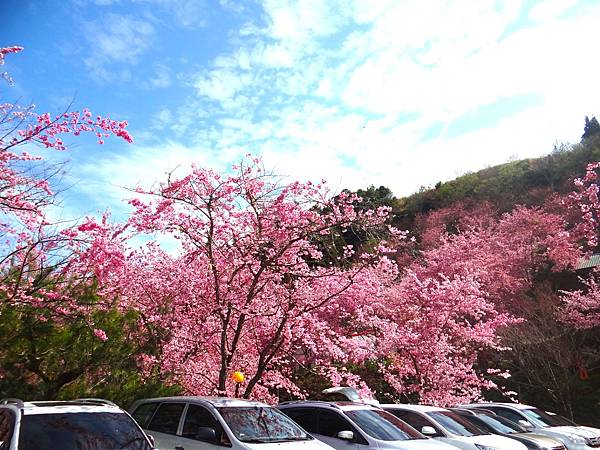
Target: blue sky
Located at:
point(395, 93)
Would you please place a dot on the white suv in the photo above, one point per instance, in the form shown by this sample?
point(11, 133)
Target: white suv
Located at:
point(211, 423)
point(357, 426)
point(449, 427)
point(92, 424)
point(538, 421)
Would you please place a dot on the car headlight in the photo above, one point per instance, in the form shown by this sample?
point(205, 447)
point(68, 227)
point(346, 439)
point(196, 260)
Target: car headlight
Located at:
point(485, 447)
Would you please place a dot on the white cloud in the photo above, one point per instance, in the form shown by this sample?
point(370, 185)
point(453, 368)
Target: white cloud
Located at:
point(161, 77)
point(115, 174)
point(119, 38)
point(115, 41)
point(342, 91)
point(187, 13)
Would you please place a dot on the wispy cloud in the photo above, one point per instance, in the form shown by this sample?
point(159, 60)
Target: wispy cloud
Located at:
point(116, 39)
point(349, 92)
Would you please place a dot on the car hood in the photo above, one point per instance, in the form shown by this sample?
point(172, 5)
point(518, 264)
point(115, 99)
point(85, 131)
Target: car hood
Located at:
point(313, 444)
point(496, 441)
point(540, 439)
point(415, 444)
point(596, 431)
point(585, 432)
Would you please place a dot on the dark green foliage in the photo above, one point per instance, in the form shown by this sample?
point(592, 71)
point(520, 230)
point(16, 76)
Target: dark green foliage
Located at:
point(362, 239)
point(44, 357)
point(527, 182)
point(591, 128)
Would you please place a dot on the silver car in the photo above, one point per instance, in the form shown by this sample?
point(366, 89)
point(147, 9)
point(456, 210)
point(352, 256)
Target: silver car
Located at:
point(212, 423)
point(538, 421)
point(450, 428)
point(357, 426)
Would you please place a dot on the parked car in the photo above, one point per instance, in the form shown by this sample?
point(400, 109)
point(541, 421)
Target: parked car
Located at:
point(211, 423)
point(357, 426)
point(563, 421)
point(90, 424)
point(489, 421)
point(449, 427)
point(538, 421)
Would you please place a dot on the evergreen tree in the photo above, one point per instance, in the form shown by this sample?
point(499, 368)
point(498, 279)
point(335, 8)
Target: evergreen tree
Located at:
point(591, 128)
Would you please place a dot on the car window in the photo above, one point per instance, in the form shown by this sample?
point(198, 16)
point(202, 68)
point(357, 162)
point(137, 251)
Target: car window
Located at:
point(331, 423)
point(261, 424)
point(415, 420)
point(143, 413)
point(383, 425)
point(166, 418)
point(305, 417)
point(500, 425)
point(81, 430)
point(479, 422)
point(197, 416)
point(7, 421)
point(508, 414)
point(455, 424)
point(539, 418)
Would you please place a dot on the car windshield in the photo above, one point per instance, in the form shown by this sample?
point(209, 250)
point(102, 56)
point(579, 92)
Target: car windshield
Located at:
point(539, 418)
point(81, 430)
point(500, 424)
point(261, 424)
point(562, 421)
point(383, 425)
point(455, 424)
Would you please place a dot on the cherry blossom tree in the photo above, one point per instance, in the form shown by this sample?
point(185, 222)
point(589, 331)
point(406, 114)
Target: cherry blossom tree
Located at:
point(32, 248)
point(245, 287)
point(233, 279)
point(581, 308)
point(507, 254)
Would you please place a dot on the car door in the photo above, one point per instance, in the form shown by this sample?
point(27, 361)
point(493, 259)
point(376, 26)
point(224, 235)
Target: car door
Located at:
point(330, 423)
point(197, 417)
point(418, 421)
point(165, 423)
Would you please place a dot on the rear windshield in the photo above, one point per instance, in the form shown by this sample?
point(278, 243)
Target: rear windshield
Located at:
point(81, 431)
point(383, 425)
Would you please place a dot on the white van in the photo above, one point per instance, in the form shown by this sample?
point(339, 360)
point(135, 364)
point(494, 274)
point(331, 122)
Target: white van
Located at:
point(449, 427)
point(218, 423)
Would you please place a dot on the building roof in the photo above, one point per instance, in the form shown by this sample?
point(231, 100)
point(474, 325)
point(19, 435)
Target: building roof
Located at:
point(588, 263)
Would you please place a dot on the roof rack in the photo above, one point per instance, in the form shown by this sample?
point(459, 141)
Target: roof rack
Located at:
point(13, 401)
point(96, 401)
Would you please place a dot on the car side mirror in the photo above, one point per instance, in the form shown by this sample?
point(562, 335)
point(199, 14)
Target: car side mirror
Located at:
point(151, 439)
point(205, 434)
point(525, 424)
point(346, 435)
point(428, 431)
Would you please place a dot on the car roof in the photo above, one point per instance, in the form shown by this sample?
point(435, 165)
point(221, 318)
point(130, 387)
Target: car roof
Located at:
point(420, 408)
point(488, 404)
point(341, 405)
point(214, 401)
point(87, 405)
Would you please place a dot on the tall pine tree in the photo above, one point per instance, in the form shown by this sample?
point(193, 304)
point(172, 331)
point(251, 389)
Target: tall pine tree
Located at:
point(591, 128)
